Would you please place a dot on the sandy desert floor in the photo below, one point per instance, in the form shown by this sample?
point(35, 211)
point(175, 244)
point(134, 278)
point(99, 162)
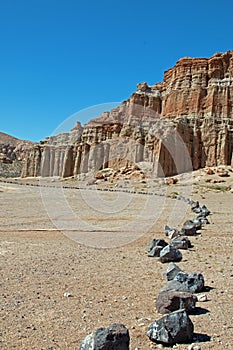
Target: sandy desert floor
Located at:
point(41, 260)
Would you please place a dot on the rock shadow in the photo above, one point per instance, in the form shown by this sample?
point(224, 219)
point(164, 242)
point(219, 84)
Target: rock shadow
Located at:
point(207, 289)
point(199, 311)
point(202, 338)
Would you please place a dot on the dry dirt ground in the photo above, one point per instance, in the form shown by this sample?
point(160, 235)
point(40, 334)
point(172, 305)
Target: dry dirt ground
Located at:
point(40, 262)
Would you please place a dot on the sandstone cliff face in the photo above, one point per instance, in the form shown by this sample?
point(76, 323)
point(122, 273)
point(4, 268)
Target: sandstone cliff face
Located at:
point(184, 122)
point(54, 156)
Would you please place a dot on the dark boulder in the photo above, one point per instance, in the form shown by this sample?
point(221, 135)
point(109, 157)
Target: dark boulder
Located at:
point(203, 219)
point(180, 242)
point(183, 282)
point(198, 224)
point(155, 252)
point(155, 243)
point(114, 337)
point(171, 329)
point(171, 272)
point(171, 301)
point(197, 210)
point(173, 285)
point(170, 253)
point(194, 281)
point(171, 232)
point(195, 205)
point(205, 211)
point(189, 228)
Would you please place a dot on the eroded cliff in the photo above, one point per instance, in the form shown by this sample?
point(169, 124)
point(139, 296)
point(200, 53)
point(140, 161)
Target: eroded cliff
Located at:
point(184, 122)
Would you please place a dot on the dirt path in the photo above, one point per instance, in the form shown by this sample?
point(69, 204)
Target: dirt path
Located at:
point(39, 264)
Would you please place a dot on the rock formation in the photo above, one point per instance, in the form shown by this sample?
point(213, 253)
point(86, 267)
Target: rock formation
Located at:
point(12, 148)
point(12, 151)
point(182, 123)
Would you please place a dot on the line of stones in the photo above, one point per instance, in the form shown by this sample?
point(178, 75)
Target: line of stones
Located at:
point(176, 298)
point(174, 196)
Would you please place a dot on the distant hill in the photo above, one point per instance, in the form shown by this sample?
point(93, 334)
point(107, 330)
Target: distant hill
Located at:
point(11, 140)
point(8, 139)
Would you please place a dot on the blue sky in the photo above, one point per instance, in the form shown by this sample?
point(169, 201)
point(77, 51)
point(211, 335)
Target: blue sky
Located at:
point(60, 56)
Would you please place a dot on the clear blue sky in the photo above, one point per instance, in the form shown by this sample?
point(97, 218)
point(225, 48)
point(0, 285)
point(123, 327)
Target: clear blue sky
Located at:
point(60, 56)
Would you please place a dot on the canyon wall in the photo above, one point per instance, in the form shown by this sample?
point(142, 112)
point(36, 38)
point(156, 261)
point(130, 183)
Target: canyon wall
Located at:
point(182, 123)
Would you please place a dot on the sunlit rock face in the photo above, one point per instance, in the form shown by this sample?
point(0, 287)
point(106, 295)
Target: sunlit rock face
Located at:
point(184, 122)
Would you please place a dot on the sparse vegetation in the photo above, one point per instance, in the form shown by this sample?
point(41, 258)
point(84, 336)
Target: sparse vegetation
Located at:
point(11, 170)
point(219, 188)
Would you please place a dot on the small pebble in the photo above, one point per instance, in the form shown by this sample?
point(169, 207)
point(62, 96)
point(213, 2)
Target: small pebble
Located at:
point(202, 297)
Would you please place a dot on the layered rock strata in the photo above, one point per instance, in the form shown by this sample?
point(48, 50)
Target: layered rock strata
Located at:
point(182, 123)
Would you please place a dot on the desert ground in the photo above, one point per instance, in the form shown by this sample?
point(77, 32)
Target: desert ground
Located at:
point(61, 281)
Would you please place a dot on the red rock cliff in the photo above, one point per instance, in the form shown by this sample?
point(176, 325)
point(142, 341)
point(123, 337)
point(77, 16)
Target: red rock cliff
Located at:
point(193, 106)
